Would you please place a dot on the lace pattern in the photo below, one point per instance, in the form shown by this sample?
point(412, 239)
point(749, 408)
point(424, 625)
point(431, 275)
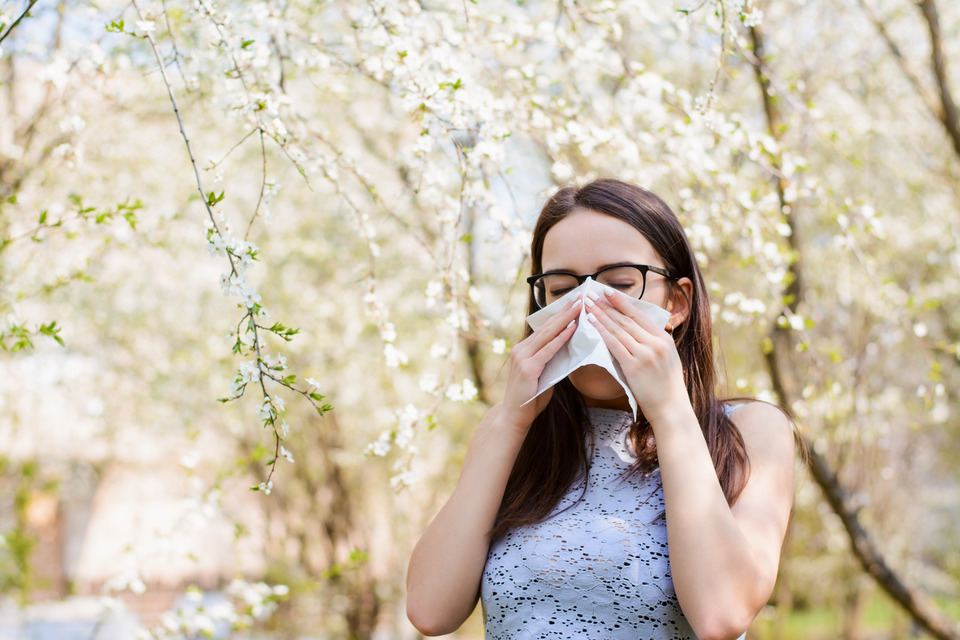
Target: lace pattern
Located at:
point(598, 569)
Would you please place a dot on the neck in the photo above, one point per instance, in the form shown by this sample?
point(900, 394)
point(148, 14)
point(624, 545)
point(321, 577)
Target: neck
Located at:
point(621, 403)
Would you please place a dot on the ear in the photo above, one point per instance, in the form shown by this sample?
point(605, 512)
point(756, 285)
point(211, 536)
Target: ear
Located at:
point(679, 303)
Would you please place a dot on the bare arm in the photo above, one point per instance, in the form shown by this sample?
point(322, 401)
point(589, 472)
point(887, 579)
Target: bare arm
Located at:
point(443, 579)
point(724, 560)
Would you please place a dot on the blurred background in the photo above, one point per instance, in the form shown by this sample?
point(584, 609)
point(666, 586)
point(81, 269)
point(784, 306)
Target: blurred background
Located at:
point(318, 213)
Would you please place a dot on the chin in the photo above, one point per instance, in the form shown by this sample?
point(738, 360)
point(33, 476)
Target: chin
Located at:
point(598, 387)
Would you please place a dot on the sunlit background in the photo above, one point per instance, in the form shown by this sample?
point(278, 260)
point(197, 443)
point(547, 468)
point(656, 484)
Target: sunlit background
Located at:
point(261, 264)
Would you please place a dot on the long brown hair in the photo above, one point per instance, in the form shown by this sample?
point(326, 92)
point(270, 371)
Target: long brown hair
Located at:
point(554, 454)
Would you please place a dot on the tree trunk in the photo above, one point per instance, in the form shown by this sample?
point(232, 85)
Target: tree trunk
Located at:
point(785, 383)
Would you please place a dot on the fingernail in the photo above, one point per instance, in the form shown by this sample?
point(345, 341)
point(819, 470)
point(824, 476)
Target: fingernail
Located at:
point(591, 317)
point(589, 302)
point(576, 302)
point(593, 295)
point(608, 293)
point(572, 322)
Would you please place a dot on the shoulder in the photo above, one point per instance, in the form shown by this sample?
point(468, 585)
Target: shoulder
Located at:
point(766, 429)
point(768, 436)
point(763, 507)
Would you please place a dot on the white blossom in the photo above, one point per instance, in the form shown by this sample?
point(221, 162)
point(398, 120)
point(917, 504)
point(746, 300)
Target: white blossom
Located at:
point(388, 332)
point(428, 382)
point(463, 392)
point(393, 356)
point(266, 410)
point(190, 459)
point(382, 445)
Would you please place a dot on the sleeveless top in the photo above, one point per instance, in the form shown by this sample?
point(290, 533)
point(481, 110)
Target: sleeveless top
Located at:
point(598, 569)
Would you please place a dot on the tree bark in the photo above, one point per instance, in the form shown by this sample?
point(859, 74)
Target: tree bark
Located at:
point(948, 107)
point(785, 385)
point(943, 106)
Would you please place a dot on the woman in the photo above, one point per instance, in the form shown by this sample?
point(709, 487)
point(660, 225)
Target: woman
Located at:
point(573, 520)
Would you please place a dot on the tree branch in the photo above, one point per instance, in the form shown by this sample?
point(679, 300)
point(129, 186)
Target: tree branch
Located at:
point(925, 95)
point(948, 113)
point(17, 21)
point(784, 383)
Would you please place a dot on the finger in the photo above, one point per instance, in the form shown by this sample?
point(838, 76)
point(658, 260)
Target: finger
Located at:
point(552, 327)
point(550, 349)
point(612, 334)
point(615, 318)
point(628, 315)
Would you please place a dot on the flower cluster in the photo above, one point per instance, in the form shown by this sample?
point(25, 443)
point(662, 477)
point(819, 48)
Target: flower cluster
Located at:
point(208, 614)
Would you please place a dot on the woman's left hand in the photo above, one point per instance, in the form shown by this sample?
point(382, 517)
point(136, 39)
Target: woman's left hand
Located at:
point(647, 354)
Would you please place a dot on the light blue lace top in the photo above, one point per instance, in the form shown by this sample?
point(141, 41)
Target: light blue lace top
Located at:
point(600, 569)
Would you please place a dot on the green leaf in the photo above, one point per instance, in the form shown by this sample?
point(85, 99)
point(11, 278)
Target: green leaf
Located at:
point(936, 370)
point(53, 331)
point(246, 43)
point(767, 345)
point(316, 396)
point(43, 218)
point(359, 556)
point(213, 198)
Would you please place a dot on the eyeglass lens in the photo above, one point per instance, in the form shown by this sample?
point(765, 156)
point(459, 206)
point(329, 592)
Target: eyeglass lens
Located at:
point(551, 287)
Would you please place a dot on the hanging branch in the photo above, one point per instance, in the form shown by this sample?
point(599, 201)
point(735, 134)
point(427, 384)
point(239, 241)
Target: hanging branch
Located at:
point(23, 15)
point(945, 108)
point(948, 113)
point(913, 600)
point(273, 406)
point(901, 60)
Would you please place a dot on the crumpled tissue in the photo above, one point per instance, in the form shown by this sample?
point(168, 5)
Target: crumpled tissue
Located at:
point(586, 346)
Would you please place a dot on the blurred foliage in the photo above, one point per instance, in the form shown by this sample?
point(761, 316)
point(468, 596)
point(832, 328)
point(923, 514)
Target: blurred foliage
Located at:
point(383, 163)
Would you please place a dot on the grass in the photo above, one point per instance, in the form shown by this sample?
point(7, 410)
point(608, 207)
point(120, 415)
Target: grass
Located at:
point(879, 619)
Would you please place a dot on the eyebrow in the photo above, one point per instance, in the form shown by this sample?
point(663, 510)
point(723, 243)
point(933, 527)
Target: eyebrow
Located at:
point(620, 263)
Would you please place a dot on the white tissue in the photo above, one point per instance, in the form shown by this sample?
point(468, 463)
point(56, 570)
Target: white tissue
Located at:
point(586, 346)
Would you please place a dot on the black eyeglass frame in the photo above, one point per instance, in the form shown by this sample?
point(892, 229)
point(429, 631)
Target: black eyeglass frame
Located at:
point(643, 268)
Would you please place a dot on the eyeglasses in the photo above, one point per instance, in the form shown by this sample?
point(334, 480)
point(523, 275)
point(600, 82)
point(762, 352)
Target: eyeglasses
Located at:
point(630, 279)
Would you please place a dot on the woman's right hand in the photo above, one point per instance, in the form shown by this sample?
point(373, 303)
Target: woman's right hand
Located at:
point(527, 361)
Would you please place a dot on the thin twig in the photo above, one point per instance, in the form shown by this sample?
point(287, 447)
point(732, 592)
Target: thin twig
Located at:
point(901, 60)
point(17, 21)
point(183, 132)
point(263, 185)
point(949, 115)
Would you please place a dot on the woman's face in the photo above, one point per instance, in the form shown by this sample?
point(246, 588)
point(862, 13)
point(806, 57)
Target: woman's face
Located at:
point(585, 242)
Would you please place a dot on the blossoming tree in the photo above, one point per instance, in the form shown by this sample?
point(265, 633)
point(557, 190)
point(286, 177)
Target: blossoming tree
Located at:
point(363, 176)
